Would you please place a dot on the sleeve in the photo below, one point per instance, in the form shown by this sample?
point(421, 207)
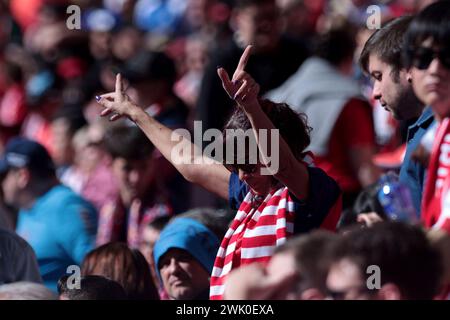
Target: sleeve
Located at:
point(76, 233)
point(323, 207)
point(26, 266)
point(355, 124)
point(237, 190)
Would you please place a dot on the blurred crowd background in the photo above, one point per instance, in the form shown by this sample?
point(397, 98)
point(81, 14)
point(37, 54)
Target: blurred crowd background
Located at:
point(168, 52)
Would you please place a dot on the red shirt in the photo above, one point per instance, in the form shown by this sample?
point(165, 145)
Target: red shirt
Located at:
point(353, 128)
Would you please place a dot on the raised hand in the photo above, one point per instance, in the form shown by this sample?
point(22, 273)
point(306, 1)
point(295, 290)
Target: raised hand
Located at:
point(242, 87)
point(117, 103)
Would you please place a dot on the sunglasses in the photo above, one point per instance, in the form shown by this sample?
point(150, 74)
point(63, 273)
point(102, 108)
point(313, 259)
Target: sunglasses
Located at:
point(247, 168)
point(421, 58)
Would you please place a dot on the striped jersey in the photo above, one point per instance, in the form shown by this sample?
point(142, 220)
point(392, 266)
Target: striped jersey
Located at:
point(259, 227)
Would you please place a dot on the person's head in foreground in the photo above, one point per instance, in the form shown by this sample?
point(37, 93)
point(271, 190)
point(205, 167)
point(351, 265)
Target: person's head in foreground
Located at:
point(389, 261)
point(128, 267)
point(184, 257)
point(26, 291)
point(297, 271)
point(91, 288)
point(427, 53)
point(381, 59)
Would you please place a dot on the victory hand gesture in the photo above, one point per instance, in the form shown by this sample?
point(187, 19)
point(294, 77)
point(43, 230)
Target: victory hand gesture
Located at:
point(116, 103)
point(242, 87)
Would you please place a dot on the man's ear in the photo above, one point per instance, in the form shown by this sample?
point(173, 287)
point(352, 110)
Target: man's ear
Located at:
point(389, 291)
point(312, 294)
point(23, 177)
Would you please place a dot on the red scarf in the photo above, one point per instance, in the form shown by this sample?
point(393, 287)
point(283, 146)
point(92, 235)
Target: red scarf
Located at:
point(253, 235)
point(436, 199)
point(258, 229)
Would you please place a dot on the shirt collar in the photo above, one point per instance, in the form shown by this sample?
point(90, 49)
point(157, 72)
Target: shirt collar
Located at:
point(426, 117)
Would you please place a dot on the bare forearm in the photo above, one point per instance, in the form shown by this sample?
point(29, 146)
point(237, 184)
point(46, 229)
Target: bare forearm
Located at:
point(165, 140)
point(281, 163)
point(207, 173)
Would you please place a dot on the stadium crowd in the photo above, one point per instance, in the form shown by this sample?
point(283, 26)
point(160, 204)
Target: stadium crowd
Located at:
point(115, 116)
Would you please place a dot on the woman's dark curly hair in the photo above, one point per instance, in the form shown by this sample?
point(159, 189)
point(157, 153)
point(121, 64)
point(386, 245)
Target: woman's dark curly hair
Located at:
point(292, 126)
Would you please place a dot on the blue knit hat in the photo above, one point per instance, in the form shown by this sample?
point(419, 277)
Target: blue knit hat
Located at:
point(189, 235)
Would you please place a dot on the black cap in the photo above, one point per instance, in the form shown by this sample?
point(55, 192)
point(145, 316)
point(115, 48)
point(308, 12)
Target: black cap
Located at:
point(25, 153)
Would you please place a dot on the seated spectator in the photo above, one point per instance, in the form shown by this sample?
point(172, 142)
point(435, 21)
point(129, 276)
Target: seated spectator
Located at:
point(406, 265)
point(26, 291)
point(116, 261)
point(141, 195)
point(297, 271)
point(184, 257)
point(148, 235)
point(91, 174)
point(59, 225)
point(91, 288)
point(17, 259)
point(64, 125)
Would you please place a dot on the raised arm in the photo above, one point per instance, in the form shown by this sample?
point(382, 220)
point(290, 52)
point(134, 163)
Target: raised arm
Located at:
point(244, 90)
point(207, 173)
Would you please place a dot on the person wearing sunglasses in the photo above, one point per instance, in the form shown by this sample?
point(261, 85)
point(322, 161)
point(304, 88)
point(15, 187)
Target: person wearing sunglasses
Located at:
point(273, 201)
point(427, 53)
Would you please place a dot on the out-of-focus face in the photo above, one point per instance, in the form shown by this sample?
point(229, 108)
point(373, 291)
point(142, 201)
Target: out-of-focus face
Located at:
point(99, 44)
point(345, 282)
point(11, 188)
point(259, 25)
point(432, 85)
point(135, 177)
point(282, 265)
point(149, 236)
point(126, 43)
point(184, 278)
point(259, 184)
point(395, 95)
point(62, 143)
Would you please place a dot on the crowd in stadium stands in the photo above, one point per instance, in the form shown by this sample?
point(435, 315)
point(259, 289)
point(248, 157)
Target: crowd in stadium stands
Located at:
point(340, 189)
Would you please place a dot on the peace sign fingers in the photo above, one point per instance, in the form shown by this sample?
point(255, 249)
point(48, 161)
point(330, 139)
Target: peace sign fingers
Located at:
point(243, 61)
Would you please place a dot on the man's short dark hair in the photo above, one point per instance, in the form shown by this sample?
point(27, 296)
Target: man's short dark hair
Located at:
point(126, 142)
point(401, 251)
point(92, 287)
point(336, 45)
point(432, 22)
point(387, 44)
point(312, 257)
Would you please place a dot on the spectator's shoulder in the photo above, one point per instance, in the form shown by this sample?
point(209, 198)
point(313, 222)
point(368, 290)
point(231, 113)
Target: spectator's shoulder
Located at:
point(12, 243)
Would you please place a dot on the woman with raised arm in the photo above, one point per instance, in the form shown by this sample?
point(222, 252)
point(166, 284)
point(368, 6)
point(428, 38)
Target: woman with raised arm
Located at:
point(274, 199)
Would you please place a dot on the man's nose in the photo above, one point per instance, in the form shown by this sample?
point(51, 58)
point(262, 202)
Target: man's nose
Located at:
point(376, 92)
